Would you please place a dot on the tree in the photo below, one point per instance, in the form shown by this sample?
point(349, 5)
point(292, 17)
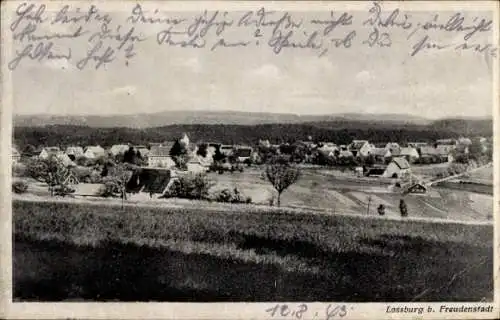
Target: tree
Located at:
point(117, 179)
point(281, 175)
point(52, 172)
point(202, 150)
point(29, 150)
point(218, 155)
point(179, 154)
point(475, 149)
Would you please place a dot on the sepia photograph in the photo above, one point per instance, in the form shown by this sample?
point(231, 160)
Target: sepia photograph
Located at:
point(307, 157)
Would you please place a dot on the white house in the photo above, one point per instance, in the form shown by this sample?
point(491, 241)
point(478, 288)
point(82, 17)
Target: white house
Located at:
point(94, 152)
point(397, 168)
point(328, 149)
point(444, 152)
point(195, 166)
point(226, 150)
point(74, 152)
point(411, 154)
point(143, 151)
point(393, 147)
point(159, 157)
point(48, 151)
point(381, 155)
point(63, 158)
point(360, 148)
point(119, 149)
point(243, 153)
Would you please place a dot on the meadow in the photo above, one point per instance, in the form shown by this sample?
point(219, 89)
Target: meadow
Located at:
point(89, 251)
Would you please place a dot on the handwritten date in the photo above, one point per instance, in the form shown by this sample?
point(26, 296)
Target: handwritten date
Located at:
point(302, 311)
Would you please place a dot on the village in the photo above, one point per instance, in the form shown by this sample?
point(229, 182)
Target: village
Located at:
point(239, 175)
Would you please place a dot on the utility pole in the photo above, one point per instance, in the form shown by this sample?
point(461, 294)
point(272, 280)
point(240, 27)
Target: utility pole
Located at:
point(368, 207)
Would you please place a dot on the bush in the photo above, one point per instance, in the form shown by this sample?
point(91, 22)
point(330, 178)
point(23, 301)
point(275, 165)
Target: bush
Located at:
point(231, 196)
point(19, 186)
point(192, 186)
point(19, 170)
point(108, 189)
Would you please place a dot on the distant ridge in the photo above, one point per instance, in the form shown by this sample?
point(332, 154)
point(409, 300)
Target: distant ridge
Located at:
point(149, 120)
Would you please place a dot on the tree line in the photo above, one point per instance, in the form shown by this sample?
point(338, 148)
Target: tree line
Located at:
point(66, 135)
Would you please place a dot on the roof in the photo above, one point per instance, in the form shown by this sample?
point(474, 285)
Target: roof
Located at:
point(417, 186)
point(380, 152)
point(402, 163)
point(149, 180)
point(74, 150)
point(143, 151)
point(408, 152)
point(345, 154)
point(119, 148)
point(358, 144)
point(95, 149)
point(52, 149)
point(444, 149)
point(160, 151)
point(430, 151)
point(375, 171)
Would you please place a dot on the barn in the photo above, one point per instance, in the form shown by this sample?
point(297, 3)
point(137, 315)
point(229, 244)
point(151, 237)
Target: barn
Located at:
point(397, 168)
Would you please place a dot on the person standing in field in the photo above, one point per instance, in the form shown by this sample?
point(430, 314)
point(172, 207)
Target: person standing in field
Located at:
point(403, 208)
point(381, 210)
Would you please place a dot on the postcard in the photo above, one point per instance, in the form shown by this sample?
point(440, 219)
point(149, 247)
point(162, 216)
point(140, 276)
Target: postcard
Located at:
point(243, 159)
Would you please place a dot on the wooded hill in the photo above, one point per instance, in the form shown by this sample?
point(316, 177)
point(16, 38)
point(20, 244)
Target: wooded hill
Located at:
point(340, 132)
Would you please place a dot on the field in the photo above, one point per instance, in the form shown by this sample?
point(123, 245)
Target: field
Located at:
point(64, 250)
point(337, 193)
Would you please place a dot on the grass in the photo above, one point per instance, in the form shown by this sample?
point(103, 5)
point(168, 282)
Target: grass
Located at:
point(94, 252)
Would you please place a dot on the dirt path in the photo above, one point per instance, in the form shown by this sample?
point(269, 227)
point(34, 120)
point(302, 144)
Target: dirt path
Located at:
point(430, 183)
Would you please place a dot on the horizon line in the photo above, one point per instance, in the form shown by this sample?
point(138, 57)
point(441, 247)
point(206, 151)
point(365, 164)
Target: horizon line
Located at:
point(340, 114)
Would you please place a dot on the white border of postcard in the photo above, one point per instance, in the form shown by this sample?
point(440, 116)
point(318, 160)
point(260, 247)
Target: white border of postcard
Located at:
point(223, 310)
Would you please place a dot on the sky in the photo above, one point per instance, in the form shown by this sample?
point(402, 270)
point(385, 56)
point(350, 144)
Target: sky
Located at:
point(433, 84)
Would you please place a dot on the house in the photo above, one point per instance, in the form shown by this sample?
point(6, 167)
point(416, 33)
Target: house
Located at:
point(394, 148)
point(152, 181)
point(243, 153)
point(360, 148)
point(377, 171)
point(196, 166)
point(429, 155)
point(328, 149)
point(118, 149)
point(16, 156)
point(48, 151)
point(94, 152)
point(444, 152)
point(226, 150)
point(448, 141)
point(417, 188)
point(143, 151)
point(411, 154)
point(159, 157)
point(264, 144)
point(74, 152)
point(417, 145)
point(345, 154)
point(397, 168)
point(381, 155)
